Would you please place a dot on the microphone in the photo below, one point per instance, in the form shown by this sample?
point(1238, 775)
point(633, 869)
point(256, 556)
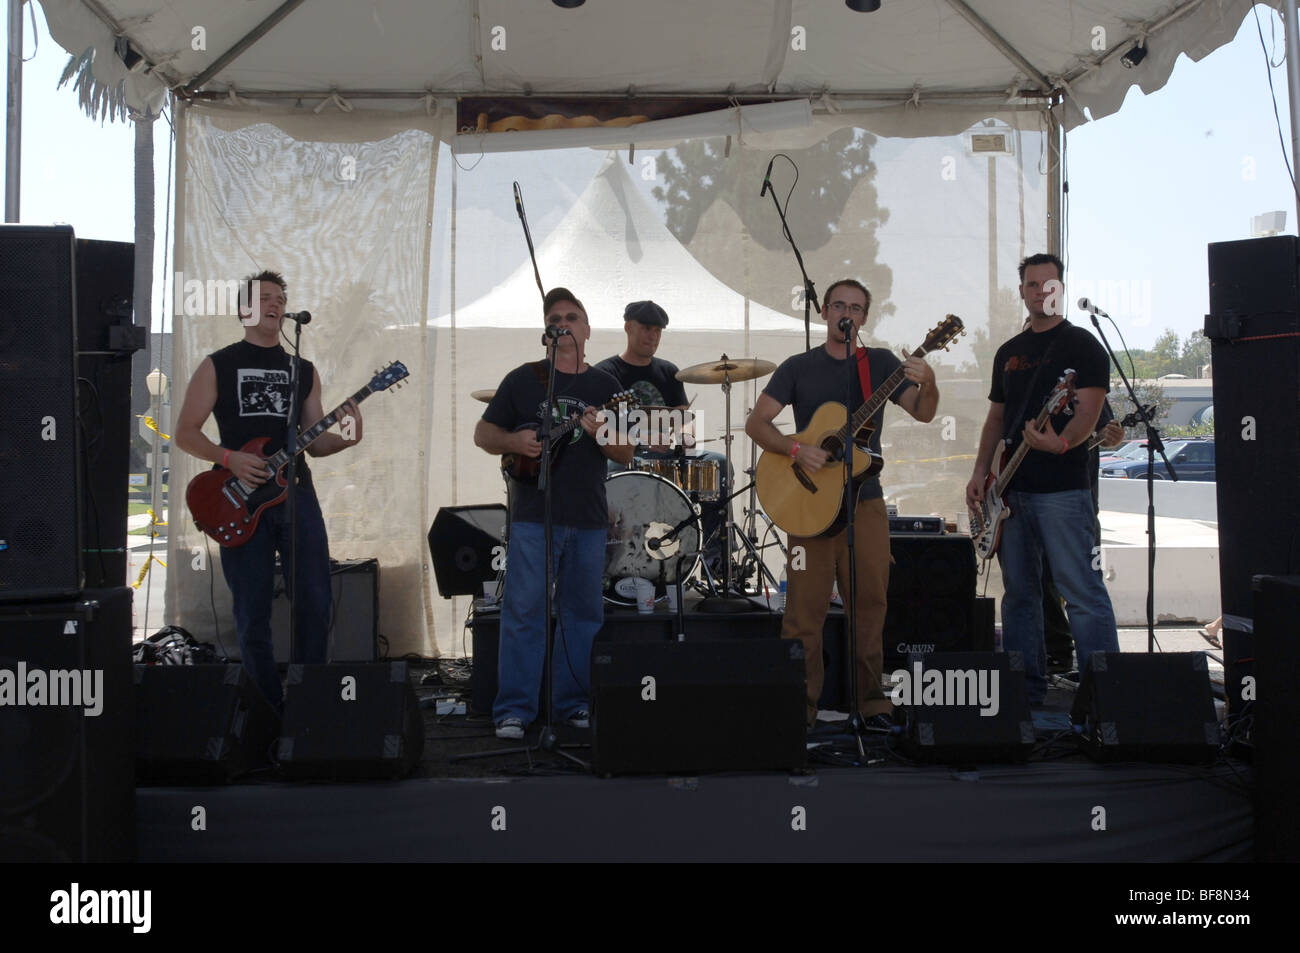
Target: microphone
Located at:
point(767, 178)
point(302, 317)
point(554, 332)
point(1091, 308)
point(846, 328)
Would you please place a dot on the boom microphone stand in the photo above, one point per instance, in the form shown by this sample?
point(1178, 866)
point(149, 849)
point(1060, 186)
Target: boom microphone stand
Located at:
point(809, 290)
point(1154, 446)
point(291, 472)
point(856, 723)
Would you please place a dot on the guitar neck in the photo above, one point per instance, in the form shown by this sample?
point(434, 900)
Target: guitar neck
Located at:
point(879, 395)
point(307, 437)
point(1010, 469)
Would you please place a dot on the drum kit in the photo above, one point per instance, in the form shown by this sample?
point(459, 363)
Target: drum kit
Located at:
point(659, 507)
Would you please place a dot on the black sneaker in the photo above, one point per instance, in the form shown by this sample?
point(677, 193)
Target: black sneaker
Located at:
point(879, 723)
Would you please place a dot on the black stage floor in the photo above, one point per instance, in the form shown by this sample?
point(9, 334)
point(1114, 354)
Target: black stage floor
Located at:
point(1058, 807)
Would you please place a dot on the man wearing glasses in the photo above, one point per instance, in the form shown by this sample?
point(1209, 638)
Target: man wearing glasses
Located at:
point(807, 381)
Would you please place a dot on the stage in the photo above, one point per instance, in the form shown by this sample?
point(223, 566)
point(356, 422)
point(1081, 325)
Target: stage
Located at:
point(1058, 807)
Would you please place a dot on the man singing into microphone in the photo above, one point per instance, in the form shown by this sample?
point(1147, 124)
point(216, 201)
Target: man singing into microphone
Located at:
point(580, 521)
point(1051, 504)
point(246, 387)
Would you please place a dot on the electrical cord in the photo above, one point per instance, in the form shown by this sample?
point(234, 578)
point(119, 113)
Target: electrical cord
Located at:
point(1273, 93)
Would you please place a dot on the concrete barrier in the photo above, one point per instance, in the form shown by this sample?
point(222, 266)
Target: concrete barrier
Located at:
point(1185, 499)
point(1187, 583)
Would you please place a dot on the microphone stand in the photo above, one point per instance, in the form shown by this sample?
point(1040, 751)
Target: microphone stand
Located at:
point(1154, 446)
point(291, 472)
point(857, 725)
point(809, 290)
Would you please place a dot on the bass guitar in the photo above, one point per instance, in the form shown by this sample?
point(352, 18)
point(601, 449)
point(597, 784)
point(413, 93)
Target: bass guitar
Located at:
point(228, 509)
point(805, 504)
point(987, 518)
point(528, 469)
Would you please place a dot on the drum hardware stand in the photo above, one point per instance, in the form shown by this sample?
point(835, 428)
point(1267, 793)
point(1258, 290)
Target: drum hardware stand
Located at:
point(747, 541)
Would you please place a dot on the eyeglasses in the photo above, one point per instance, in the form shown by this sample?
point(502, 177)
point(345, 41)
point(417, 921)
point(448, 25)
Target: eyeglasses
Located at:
point(853, 309)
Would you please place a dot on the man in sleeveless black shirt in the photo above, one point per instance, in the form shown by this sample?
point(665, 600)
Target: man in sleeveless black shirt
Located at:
point(246, 387)
point(579, 517)
point(806, 381)
point(1052, 512)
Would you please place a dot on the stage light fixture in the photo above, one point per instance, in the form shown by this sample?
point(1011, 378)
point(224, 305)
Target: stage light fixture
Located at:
point(1134, 56)
point(863, 6)
point(568, 4)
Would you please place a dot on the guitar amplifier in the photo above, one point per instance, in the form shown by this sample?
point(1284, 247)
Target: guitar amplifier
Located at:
point(915, 524)
point(354, 584)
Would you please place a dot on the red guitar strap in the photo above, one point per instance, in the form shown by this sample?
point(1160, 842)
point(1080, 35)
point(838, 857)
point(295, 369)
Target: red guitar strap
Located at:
point(864, 373)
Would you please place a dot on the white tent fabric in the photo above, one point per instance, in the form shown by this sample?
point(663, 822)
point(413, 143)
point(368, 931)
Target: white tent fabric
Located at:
point(940, 51)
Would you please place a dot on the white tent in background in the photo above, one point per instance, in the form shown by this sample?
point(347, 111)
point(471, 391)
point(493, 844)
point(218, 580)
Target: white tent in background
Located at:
point(611, 248)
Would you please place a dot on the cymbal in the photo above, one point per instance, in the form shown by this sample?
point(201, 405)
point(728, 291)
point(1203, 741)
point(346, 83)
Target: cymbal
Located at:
point(484, 395)
point(734, 369)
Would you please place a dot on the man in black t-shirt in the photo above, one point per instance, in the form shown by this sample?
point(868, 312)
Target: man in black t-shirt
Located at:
point(580, 521)
point(807, 381)
point(246, 386)
point(1053, 516)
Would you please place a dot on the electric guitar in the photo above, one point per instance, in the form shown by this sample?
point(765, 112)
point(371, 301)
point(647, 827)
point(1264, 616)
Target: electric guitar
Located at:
point(528, 469)
point(228, 509)
point(987, 517)
point(805, 504)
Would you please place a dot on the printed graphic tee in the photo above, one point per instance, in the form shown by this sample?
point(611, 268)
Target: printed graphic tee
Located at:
point(253, 396)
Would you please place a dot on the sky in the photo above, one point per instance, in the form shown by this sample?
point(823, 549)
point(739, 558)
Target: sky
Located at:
point(1149, 186)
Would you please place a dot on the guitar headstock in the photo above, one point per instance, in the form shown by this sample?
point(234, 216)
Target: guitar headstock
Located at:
point(390, 375)
point(1062, 395)
point(943, 334)
point(627, 397)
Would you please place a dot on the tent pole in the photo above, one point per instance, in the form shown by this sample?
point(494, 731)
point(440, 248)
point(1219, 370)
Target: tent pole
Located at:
point(14, 113)
point(1293, 90)
point(1055, 135)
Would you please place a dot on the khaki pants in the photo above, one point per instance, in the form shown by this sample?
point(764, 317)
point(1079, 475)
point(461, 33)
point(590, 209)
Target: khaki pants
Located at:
point(826, 562)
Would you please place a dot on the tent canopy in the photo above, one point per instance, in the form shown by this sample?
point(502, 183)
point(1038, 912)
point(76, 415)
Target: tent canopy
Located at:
point(392, 52)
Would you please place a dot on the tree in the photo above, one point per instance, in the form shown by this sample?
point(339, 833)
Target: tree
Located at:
point(1196, 353)
point(834, 221)
point(1149, 392)
point(1005, 322)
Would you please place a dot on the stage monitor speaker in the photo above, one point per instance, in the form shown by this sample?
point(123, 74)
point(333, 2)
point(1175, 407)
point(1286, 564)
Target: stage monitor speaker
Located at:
point(1276, 721)
point(687, 707)
point(1254, 331)
point(350, 721)
point(106, 339)
point(931, 596)
point(965, 707)
point(462, 542)
point(40, 472)
point(67, 791)
point(355, 587)
point(1140, 707)
point(200, 724)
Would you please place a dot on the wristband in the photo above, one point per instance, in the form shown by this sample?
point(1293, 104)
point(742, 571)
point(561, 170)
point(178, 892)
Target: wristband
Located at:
point(225, 460)
point(1065, 445)
point(794, 451)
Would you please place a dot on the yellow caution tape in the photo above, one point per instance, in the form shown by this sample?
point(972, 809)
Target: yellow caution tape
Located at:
point(145, 569)
point(153, 425)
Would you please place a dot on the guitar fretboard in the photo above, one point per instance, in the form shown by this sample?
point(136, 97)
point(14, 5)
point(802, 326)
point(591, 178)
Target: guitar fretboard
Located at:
point(307, 437)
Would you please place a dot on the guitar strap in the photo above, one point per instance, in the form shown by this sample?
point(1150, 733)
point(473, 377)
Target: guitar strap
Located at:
point(864, 373)
point(1029, 392)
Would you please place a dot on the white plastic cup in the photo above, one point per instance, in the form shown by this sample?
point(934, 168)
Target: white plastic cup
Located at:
point(645, 595)
point(490, 591)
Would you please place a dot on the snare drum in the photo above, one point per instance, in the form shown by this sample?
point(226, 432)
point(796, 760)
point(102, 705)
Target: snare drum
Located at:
point(643, 509)
point(663, 467)
point(702, 478)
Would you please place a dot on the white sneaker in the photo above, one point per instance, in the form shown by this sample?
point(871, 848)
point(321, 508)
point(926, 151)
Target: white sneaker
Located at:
point(511, 729)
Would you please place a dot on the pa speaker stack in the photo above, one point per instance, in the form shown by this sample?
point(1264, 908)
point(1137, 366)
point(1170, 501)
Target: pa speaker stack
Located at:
point(1254, 332)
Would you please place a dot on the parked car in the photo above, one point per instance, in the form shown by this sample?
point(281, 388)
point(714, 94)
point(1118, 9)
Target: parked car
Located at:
point(1132, 450)
point(1193, 459)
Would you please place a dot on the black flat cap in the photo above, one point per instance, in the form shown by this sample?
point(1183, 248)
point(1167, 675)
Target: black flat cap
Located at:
point(647, 312)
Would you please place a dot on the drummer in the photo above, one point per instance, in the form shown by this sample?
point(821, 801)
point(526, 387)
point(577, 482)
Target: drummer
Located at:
point(652, 379)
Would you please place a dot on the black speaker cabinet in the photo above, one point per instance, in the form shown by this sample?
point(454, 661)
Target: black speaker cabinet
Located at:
point(931, 596)
point(355, 585)
point(67, 789)
point(200, 724)
point(106, 339)
point(350, 721)
point(40, 480)
point(1276, 710)
point(674, 707)
point(965, 707)
point(1254, 331)
point(461, 541)
point(1139, 707)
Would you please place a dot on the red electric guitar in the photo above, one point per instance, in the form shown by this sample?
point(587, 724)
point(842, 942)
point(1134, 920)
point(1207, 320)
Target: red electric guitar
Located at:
point(987, 518)
point(228, 509)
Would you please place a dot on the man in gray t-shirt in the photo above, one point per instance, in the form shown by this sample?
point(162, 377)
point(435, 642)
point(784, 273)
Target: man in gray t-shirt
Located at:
point(806, 381)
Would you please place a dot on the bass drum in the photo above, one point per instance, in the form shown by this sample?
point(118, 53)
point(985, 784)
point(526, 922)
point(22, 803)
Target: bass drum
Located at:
point(644, 508)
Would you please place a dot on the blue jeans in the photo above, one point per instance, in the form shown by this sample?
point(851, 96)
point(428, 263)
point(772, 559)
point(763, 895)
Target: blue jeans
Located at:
point(250, 573)
point(1060, 527)
point(578, 556)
